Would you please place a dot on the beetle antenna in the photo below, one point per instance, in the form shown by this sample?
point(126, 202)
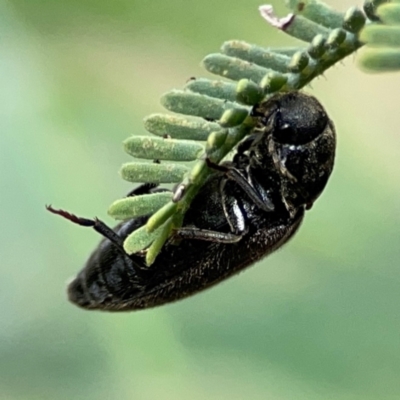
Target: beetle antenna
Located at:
point(98, 225)
point(71, 217)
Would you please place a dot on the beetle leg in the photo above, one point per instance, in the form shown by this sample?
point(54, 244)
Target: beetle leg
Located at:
point(204, 234)
point(145, 188)
point(98, 225)
point(233, 214)
point(234, 217)
point(235, 175)
point(246, 143)
point(262, 192)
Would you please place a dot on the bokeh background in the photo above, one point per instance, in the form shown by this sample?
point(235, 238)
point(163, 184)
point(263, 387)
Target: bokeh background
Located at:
point(319, 319)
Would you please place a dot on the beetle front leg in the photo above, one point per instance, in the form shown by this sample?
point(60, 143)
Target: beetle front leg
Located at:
point(236, 176)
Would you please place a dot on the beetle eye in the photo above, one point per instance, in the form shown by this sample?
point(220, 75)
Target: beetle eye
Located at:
point(298, 125)
point(283, 132)
point(292, 118)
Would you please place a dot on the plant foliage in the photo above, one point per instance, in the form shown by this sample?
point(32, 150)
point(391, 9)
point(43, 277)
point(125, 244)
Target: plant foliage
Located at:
point(212, 116)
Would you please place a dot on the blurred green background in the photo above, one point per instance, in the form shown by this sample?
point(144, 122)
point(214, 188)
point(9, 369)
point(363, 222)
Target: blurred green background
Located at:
point(318, 320)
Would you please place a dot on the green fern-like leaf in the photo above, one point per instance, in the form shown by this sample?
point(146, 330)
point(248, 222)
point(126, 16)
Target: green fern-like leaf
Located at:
point(382, 38)
point(213, 115)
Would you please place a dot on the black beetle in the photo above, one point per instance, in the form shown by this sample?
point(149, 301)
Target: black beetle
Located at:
point(248, 208)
